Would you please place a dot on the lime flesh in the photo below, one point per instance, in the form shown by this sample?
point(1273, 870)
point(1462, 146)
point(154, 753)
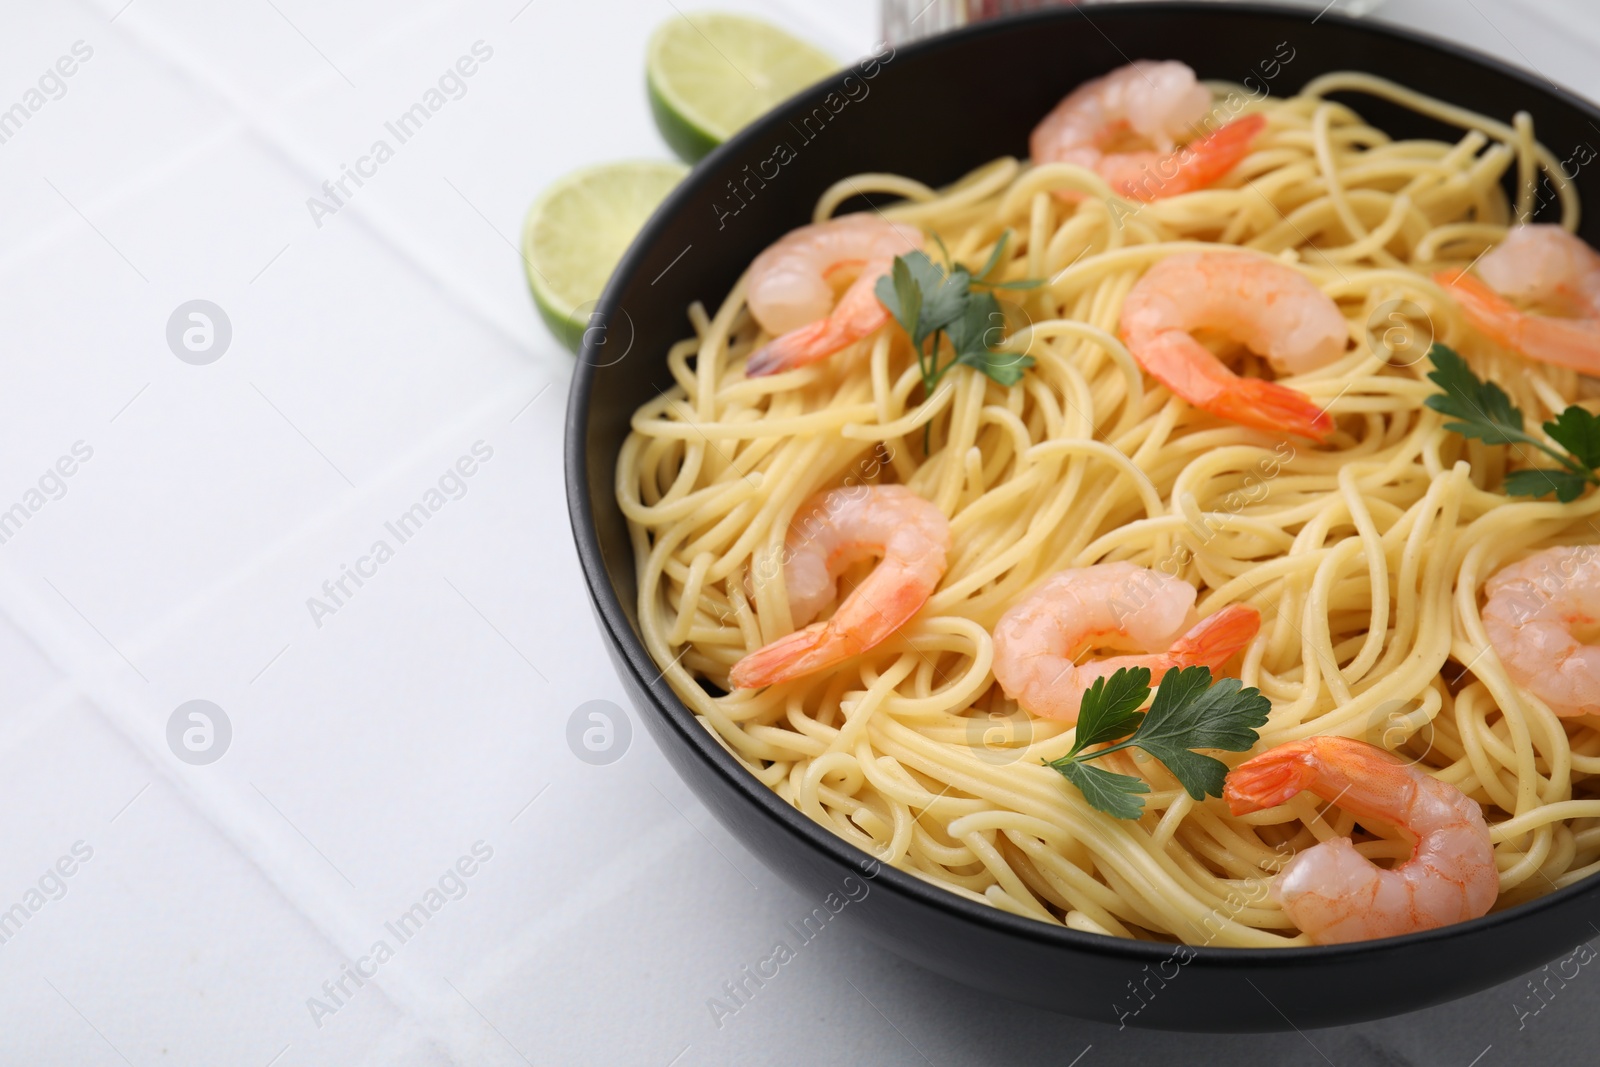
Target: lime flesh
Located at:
point(709, 75)
point(577, 231)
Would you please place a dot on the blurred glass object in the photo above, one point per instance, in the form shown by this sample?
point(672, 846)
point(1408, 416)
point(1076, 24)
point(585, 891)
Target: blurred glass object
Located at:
point(911, 20)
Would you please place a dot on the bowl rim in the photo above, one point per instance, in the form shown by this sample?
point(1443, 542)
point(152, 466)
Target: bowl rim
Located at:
point(676, 715)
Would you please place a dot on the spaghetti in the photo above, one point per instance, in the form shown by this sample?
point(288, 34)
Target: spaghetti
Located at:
point(1365, 555)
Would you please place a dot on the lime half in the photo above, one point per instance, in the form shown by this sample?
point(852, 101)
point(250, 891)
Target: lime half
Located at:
point(711, 74)
point(577, 231)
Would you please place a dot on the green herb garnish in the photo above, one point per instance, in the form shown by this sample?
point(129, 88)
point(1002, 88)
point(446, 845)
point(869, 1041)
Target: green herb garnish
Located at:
point(1484, 411)
point(1187, 713)
point(931, 302)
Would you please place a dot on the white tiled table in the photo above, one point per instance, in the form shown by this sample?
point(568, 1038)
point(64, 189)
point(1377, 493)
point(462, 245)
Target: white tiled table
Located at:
point(421, 723)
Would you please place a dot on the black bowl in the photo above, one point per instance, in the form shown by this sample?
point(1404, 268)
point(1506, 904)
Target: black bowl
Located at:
point(934, 111)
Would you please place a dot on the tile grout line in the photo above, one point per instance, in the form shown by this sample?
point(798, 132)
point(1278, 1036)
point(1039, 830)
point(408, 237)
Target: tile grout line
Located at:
point(483, 415)
point(261, 840)
point(99, 679)
point(270, 129)
point(179, 163)
point(272, 853)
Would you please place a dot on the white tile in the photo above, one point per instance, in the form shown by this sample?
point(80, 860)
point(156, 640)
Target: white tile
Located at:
point(119, 113)
point(326, 385)
point(164, 939)
point(28, 680)
point(429, 712)
point(272, 50)
point(1554, 38)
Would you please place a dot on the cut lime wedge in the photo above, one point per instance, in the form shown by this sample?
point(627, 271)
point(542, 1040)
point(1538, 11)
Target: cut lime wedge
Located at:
point(710, 74)
point(578, 229)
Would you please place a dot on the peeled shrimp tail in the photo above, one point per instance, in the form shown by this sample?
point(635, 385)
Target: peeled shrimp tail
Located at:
point(1571, 343)
point(858, 314)
point(797, 348)
point(1487, 309)
point(870, 615)
point(1218, 153)
point(1272, 778)
point(1186, 367)
point(1269, 406)
point(1214, 639)
point(792, 656)
point(1200, 164)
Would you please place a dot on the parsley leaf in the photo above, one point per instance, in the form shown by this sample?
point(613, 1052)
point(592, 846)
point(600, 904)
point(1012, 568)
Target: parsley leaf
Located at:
point(944, 297)
point(994, 257)
point(901, 295)
point(1114, 794)
point(1578, 432)
point(1566, 485)
point(980, 319)
point(1482, 410)
point(1111, 707)
point(981, 324)
point(1190, 710)
point(982, 277)
point(931, 302)
point(1188, 713)
point(1004, 367)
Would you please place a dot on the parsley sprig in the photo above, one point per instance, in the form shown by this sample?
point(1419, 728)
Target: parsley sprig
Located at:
point(931, 302)
point(1484, 411)
point(1187, 713)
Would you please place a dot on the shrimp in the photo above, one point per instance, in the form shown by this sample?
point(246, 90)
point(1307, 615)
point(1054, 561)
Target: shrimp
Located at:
point(1116, 605)
point(1332, 892)
point(833, 530)
point(1158, 103)
point(1272, 308)
point(1532, 610)
point(1540, 264)
point(790, 296)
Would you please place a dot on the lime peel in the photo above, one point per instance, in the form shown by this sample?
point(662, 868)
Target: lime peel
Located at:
point(577, 231)
point(710, 74)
